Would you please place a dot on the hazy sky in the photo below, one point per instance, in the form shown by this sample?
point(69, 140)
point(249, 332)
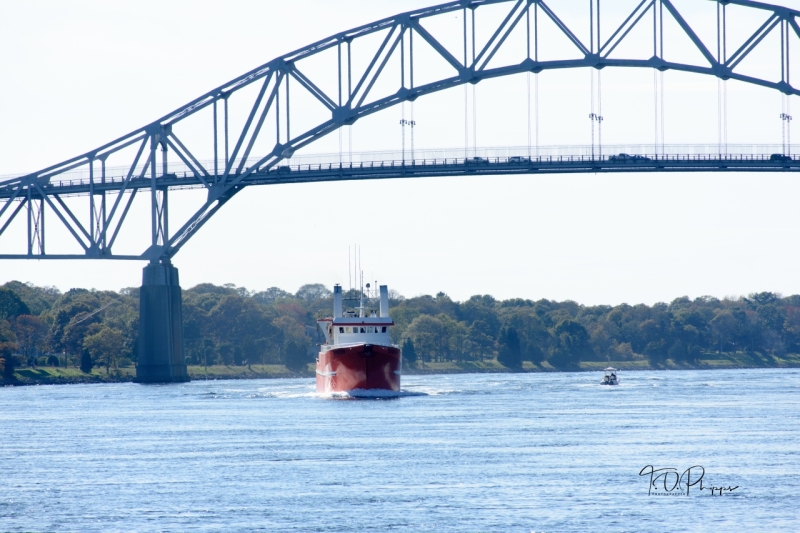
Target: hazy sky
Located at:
point(77, 74)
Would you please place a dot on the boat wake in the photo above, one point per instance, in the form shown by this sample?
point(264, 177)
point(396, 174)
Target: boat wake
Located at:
point(371, 394)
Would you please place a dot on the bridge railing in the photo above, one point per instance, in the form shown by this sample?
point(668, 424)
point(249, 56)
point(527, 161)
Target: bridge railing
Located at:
point(543, 153)
point(623, 158)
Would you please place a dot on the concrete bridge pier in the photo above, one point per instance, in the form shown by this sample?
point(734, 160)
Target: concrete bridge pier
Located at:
point(161, 357)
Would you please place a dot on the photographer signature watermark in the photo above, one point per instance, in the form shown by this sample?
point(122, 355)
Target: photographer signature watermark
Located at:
point(670, 482)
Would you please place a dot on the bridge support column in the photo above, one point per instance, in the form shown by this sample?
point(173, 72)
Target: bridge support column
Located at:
point(160, 327)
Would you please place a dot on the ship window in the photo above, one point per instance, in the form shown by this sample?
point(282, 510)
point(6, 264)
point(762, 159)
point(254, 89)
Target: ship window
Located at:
point(383, 329)
point(363, 330)
point(341, 330)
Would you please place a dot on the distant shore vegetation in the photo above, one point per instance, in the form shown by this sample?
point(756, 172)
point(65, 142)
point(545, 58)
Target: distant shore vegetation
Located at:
point(96, 331)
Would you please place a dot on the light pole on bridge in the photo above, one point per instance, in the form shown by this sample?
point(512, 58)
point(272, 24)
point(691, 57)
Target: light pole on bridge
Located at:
point(594, 117)
point(403, 124)
point(787, 132)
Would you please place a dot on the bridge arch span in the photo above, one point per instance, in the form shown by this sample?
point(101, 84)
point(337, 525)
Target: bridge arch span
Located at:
point(351, 95)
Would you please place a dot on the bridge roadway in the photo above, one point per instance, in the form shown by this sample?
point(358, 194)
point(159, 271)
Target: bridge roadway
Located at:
point(477, 166)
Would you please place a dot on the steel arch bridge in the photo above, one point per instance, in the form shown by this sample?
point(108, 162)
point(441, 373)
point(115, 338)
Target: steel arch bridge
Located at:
point(397, 40)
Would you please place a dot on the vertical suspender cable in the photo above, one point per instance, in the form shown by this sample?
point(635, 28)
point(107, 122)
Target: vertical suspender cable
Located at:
point(341, 133)
point(349, 96)
point(787, 77)
point(719, 81)
point(536, 109)
point(413, 125)
point(725, 82)
point(403, 128)
point(661, 73)
point(474, 119)
point(783, 122)
point(528, 74)
point(600, 108)
point(655, 105)
point(466, 90)
point(474, 96)
point(411, 83)
point(592, 114)
point(725, 114)
point(536, 78)
point(661, 80)
point(529, 114)
point(403, 85)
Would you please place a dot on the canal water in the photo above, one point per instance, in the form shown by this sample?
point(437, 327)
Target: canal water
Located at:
point(489, 452)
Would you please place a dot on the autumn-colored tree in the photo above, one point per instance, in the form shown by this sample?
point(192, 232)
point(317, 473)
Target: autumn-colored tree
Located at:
point(7, 346)
point(31, 333)
point(105, 346)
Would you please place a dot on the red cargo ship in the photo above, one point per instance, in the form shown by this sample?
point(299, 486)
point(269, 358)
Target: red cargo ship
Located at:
point(358, 354)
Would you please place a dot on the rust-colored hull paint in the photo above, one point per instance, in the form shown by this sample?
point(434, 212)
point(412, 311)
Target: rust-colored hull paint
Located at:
point(362, 366)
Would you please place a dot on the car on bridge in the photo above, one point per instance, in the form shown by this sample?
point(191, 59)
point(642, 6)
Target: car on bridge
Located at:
point(624, 158)
point(780, 157)
point(477, 161)
point(519, 159)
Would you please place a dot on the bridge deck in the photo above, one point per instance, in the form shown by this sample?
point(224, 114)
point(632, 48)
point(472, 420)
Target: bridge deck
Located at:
point(433, 168)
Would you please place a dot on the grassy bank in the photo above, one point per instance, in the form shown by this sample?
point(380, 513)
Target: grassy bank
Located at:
point(707, 362)
point(56, 376)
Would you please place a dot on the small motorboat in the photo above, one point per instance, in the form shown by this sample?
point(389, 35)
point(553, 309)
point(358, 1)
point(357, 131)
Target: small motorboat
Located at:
point(610, 378)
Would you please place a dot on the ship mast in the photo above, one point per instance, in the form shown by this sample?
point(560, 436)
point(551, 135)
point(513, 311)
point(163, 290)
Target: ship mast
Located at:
point(361, 301)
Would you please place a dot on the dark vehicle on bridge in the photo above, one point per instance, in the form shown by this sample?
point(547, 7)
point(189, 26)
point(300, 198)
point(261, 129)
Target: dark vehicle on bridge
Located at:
point(623, 158)
point(519, 159)
point(477, 161)
point(780, 157)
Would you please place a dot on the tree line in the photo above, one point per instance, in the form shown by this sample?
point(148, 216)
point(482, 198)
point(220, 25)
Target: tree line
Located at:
point(230, 325)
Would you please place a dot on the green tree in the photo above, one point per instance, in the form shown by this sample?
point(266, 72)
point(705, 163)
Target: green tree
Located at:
point(269, 296)
point(724, 326)
point(313, 292)
point(570, 343)
point(427, 333)
point(509, 351)
point(7, 347)
point(656, 352)
point(31, 333)
point(297, 358)
point(86, 361)
point(105, 346)
point(38, 299)
point(409, 353)
point(480, 338)
point(72, 317)
point(11, 305)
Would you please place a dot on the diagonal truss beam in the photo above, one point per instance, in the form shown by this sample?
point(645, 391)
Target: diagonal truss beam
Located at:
point(563, 27)
point(689, 32)
point(752, 42)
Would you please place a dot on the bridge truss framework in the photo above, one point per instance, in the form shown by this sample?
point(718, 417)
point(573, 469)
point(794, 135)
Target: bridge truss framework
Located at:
point(156, 149)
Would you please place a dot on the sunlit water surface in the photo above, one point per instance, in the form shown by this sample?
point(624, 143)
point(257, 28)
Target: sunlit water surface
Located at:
point(517, 452)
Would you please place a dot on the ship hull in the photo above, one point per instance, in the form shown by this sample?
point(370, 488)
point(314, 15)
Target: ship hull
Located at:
point(359, 367)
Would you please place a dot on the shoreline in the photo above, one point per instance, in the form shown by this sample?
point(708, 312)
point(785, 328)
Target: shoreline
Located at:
point(73, 376)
